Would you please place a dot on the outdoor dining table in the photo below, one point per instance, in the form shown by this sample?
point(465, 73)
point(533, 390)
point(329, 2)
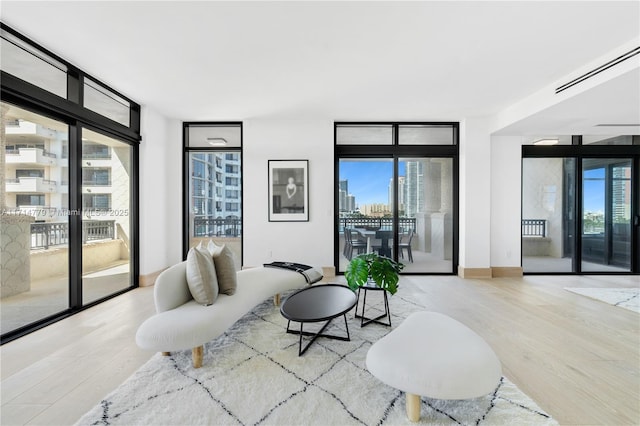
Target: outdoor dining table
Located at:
point(384, 237)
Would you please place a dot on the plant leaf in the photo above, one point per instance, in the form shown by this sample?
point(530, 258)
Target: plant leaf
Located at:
point(357, 272)
point(385, 273)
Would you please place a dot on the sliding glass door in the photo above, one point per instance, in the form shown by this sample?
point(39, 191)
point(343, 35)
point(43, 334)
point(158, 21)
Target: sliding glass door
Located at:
point(548, 217)
point(68, 192)
point(607, 187)
point(580, 211)
point(366, 205)
point(106, 215)
point(35, 221)
point(39, 239)
point(425, 215)
point(395, 194)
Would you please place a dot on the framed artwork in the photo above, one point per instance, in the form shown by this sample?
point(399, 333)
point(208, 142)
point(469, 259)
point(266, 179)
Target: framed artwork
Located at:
point(288, 190)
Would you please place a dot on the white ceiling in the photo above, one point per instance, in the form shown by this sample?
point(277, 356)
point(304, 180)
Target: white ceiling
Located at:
point(335, 60)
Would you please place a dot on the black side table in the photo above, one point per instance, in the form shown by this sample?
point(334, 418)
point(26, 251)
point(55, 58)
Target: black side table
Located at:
point(365, 320)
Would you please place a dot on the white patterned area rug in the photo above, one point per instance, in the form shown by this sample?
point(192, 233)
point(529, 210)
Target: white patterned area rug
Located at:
point(252, 375)
point(628, 298)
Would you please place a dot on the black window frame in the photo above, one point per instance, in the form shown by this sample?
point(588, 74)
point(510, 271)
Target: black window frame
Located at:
point(186, 152)
point(579, 152)
point(70, 111)
point(394, 151)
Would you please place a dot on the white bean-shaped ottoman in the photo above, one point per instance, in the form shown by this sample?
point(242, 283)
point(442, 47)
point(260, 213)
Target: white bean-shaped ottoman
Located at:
point(433, 355)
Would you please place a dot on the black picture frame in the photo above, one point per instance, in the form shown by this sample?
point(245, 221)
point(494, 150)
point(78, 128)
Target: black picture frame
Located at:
point(288, 190)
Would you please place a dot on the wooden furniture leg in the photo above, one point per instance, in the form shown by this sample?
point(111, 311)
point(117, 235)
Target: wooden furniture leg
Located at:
point(413, 407)
point(276, 299)
point(196, 354)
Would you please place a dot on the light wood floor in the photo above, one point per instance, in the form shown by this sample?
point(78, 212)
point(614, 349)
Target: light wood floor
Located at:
point(578, 358)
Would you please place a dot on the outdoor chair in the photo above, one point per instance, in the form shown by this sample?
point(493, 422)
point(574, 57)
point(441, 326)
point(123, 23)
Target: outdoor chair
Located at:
point(407, 245)
point(350, 244)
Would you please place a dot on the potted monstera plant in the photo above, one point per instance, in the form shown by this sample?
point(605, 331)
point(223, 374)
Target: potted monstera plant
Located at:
point(371, 267)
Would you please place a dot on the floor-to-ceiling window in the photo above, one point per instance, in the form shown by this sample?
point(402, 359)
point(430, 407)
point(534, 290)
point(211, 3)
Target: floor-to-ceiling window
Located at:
point(213, 186)
point(606, 214)
point(580, 205)
point(107, 167)
point(548, 214)
point(68, 190)
point(396, 194)
point(35, 228)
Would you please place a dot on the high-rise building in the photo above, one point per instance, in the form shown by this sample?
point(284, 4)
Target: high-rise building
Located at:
point(343, 185)
point(375, 210)
point(414, 183)
point(37, 174)
point(215, 185)
point(346, 201)
point(402, 192)
point(621, 194)
point(351, 203)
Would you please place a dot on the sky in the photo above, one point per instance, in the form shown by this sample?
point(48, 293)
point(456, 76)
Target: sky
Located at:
point(593, 190)
point(369, 180)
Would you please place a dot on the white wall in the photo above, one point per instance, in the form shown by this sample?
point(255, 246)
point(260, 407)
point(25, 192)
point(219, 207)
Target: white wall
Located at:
point(489, 193)
point(475, 193)
point(506, 153)
point(160, 192)
point(281, 139)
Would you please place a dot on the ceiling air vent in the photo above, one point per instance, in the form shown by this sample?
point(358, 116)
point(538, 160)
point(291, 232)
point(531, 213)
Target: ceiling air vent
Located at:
point(598, 70)
point(618, 125)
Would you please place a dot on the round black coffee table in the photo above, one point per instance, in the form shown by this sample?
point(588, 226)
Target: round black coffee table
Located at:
point(316, 304)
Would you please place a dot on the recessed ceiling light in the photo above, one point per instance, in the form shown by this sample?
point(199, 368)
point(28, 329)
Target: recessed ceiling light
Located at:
point(217, 141)
point(546, 142)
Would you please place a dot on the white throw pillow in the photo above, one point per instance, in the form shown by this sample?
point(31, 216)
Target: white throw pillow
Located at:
point(213, 247)
point(225, 270)
point(201, 276)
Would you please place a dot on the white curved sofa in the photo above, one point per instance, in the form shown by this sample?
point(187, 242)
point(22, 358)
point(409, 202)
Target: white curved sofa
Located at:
point(180, 323)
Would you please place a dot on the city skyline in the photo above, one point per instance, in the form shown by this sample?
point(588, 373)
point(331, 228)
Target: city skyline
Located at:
point(368, 182)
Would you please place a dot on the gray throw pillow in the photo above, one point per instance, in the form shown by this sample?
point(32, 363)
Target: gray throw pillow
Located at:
point(201, 276)
point(225, 270)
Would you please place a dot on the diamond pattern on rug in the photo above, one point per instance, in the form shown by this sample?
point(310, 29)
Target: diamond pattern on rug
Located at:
point(252, 375)
point(628, 298)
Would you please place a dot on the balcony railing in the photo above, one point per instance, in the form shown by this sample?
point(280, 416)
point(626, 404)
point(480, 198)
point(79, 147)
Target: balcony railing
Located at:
point(30, 155)
point(30, 184)
point(47, 234)
point(96, 182)
point(210, 227)
point(96, 155)
point(534, 228)
point(382, 223)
